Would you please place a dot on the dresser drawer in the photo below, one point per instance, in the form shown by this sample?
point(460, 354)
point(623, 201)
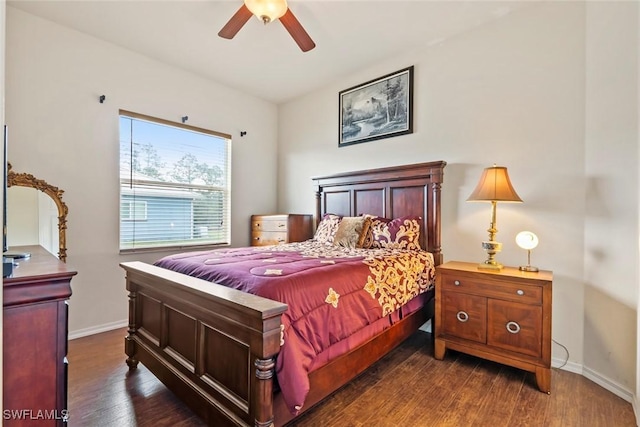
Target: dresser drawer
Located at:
point(465, 316)
point(264, 238)
point(269, 225)
point(515, 327)
point(280, 228)
point(517, 292)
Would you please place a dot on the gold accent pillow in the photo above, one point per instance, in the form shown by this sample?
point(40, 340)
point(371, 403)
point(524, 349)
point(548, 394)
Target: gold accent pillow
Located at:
point(366, 231)
point(351, 231)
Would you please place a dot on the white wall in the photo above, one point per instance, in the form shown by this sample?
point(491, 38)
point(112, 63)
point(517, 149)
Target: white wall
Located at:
point(511, 93)
point(62, 134)
point(611, 217)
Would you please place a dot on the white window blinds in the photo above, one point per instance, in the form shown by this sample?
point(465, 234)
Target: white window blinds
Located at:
point(174, 184)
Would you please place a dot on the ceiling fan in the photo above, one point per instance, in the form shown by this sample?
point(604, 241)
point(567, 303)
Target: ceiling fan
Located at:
point(267, 11)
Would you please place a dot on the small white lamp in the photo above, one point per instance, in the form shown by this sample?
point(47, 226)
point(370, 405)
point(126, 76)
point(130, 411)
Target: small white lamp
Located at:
point(527, 240)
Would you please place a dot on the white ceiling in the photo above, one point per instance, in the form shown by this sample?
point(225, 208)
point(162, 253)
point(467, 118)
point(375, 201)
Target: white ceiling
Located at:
point(264, 60)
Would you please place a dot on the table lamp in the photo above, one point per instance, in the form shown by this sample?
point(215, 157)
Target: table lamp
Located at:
point(527, 240)
point(494, 186)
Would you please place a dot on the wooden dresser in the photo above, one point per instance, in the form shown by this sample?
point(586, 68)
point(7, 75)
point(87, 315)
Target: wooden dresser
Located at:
point(283, 228)
point(35, 340)
point(504, 316)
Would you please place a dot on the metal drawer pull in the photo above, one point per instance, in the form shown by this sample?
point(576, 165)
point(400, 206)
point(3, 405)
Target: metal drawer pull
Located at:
point(457, 283)
point(281, 225)
point(520, 292)
point(513, 327)
point(462, 316)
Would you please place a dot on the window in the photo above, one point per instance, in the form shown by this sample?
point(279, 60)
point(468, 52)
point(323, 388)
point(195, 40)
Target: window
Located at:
point(174, 184)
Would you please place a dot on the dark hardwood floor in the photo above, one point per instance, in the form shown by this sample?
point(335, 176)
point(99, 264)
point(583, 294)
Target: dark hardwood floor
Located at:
point(406, 388)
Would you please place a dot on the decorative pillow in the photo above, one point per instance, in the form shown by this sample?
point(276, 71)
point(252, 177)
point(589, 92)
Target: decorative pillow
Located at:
point(351, 231)
point(366, 231)
point(398, 233)
point(327, 228)
point(367, 238)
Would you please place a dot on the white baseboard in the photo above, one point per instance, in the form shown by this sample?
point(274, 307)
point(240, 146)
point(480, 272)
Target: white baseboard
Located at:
point(608, 384)
point(97, 329)
point(604, 382)
point(576, 368)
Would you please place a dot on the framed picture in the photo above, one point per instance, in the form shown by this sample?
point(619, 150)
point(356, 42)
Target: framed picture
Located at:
point(377, 109)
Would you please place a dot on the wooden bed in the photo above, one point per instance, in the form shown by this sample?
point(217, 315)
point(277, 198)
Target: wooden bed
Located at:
point(215, 347)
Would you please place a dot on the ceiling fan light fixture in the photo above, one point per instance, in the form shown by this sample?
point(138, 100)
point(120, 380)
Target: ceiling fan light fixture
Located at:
point(267, 10)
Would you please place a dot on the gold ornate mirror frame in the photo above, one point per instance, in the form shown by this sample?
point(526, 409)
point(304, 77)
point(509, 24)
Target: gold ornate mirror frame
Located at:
point(28, 180)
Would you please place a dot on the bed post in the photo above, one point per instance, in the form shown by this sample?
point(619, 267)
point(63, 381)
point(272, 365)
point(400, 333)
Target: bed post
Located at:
point(318, 205)
point(436, 244)
point(264, 374)
point(129, 343)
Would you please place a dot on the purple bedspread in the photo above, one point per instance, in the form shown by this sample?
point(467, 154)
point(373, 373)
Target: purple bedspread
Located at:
point(331, 293)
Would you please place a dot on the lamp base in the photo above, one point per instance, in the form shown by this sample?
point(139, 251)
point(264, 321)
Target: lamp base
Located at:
point(490, 266)
point(492, 248)
point(529, 268)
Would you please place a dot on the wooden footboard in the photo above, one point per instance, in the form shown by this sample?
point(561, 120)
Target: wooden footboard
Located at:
point(214, 347)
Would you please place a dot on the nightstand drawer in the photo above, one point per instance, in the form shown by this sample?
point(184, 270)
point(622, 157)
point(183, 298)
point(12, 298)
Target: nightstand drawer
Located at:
point(263, 238)
point(515, 327)
point(465, 316)
point(528, 294)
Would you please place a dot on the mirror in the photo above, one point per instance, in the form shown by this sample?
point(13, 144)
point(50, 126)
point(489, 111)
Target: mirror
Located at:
point(31, 214)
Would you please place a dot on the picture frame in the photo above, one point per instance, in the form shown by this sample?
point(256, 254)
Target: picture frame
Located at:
point(380, 108)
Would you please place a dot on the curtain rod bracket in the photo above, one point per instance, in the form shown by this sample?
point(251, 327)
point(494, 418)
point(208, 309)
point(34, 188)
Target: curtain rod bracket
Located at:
point(184, 119)
point(243, 132)
point(102, 98)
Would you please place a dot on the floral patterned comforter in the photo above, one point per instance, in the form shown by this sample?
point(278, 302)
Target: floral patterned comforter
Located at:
point(331, 293)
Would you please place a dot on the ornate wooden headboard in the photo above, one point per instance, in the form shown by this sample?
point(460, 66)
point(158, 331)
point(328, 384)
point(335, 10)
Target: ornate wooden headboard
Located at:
point(388, 192)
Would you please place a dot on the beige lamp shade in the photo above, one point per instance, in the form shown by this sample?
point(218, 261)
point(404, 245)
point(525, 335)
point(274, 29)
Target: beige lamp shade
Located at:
point(494, 186)
point(267, 10)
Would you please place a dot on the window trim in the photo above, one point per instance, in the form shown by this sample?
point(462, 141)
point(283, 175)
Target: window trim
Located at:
point(173, 124)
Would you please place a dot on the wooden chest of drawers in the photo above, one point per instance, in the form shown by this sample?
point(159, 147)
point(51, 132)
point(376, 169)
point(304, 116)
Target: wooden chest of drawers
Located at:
point(504, 316)
point(277, 229)
point(34, 330)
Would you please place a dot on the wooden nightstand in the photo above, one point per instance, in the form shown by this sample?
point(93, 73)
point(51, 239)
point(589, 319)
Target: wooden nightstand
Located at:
point(504, 316)
point(277, 229)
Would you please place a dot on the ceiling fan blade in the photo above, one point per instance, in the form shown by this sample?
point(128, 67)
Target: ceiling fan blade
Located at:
point(298, 33)
point(236, 22)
